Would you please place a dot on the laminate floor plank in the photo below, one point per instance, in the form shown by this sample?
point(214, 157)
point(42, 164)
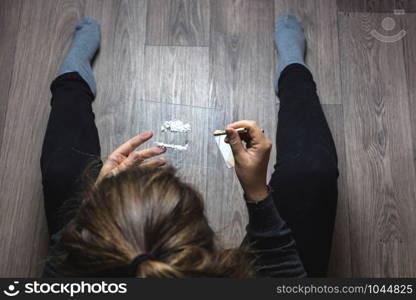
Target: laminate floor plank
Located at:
point(409, 42)
point(22, 221)
point(340, 263)
point(241, 82)
point(177, 75)
point(377, 6)
point(118, 68)
point(225, 205)
point(9, 21)
point(380, 162)
point(178, 23)
point(319, 20)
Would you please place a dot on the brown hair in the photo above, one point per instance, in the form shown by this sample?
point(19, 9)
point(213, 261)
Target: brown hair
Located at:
point(145, 211)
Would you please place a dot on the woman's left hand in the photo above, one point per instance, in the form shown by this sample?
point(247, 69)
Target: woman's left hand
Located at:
point(125, 157)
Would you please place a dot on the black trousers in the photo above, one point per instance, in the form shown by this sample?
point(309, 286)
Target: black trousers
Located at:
point(304, 182)
point(71, 142)
point(306, 170)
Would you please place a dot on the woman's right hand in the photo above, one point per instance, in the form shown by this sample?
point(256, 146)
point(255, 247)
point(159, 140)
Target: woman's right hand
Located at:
point(125, 157)
point(251, 161)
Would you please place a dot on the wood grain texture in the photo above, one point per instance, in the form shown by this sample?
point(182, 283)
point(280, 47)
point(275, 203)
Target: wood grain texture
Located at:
point(177, 75)
point(22, 221)
point(380, 167)
point(241, 82)
point(178, 23)
point(379, 6)
point(9, 24)
point(340, 263)
point(319, 20)
point(225, 206)
point(118, 68)
point(226, 77)
point(409, 24)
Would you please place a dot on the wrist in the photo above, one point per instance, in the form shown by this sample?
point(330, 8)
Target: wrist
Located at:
point(257, 194)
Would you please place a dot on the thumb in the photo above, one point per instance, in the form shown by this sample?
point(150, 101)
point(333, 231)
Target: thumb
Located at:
point(234, 140)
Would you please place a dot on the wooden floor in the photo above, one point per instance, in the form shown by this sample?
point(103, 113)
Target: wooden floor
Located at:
point(211, 62)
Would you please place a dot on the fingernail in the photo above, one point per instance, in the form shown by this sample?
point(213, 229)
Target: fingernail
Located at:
point(162, 159)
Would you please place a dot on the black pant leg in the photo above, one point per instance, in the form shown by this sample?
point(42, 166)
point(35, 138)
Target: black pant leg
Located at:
point(306, 171)
point(71, 142)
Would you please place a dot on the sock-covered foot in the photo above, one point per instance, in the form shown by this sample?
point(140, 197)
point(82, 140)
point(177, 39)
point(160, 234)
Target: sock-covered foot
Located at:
point(290, 43)
point(85, 43)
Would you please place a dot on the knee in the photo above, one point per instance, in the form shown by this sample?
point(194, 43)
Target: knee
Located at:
point(59, 168)
point(66, 167)
point(55, 174)
point(316, 169)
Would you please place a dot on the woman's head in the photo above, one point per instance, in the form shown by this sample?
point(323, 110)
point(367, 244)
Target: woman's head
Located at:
point(145, 211)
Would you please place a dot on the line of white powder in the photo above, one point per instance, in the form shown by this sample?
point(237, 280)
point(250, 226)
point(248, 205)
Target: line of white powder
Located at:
point(172, 146)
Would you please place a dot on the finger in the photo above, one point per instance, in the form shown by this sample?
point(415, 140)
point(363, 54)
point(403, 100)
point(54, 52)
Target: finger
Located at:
point(116, 159)
point(255, 133)
point(154, 163)
point(112, 162)
point(233, 138)
point(129, 146)
point(136, 157)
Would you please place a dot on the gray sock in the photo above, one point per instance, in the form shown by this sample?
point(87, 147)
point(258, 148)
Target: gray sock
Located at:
point(85, 43)
point(290, 43)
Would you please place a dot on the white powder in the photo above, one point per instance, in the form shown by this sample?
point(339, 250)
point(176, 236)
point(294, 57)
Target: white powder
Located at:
point(173, 146)
point(176, 126)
